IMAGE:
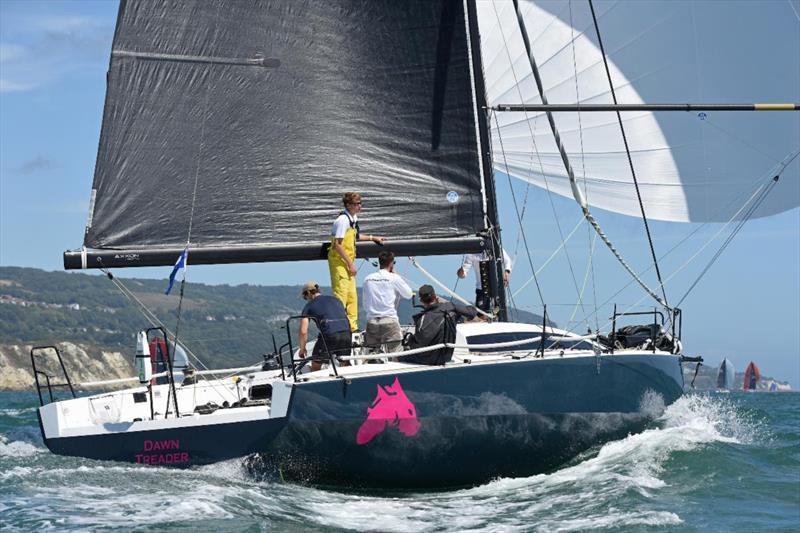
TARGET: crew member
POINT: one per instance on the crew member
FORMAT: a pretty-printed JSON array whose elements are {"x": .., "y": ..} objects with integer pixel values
[
  {"x": 435, "y": 325},
  {"x": 473, "y": 262},
  {"x": 342, "y": 255},
  {"x": 332, "y": 322},
  {"x": 382, "y": 292}
]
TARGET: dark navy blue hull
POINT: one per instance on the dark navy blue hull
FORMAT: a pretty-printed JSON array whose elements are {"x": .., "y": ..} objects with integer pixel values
[
  {"x": 173, "y": 447},
  {"x": 431, "y": 426},
  {"x": 475, "y": 422}
]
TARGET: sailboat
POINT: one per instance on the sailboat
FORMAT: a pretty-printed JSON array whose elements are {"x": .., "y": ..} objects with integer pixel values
[
  {"x": 230, "y": 131},
  {"x": 751, "y": 377},
  {"x": 725, "y": 375}
]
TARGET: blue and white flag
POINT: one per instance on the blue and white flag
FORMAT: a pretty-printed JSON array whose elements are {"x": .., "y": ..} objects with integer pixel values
[{"x": 179, "y": 264}]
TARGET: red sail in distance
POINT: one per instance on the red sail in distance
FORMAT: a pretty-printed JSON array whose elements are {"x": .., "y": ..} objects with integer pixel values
[{"x": 751, "y": 376}]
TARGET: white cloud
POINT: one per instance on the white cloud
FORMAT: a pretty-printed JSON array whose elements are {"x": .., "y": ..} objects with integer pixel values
[
  {"x": 40, "y": 51},
  {"x": 68, "y": 23},
  {"x": 10, "y": 52},
  {"x": 10, "y": 86}
]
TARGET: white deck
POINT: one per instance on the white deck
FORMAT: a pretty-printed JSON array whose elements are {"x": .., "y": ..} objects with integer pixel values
[{"x": 118, "y": 411}]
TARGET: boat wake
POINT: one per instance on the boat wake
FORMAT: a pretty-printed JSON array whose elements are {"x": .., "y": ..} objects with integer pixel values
[
  {"x": 16, "y": 448},
  {"x": 624, "y": 483},
  {"x": 616, "y": 485}
]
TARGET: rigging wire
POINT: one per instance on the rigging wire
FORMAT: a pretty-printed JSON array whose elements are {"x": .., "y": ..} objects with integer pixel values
[
  {"x": 535, "y": 151},
  {"x": 744, "y": 207},
  {"x": 455, "y": 285},
  {"x": 552, "y": 256},
  {"x": 577, "y": 193},
  {"x": 627, "y": 151},
  {"x": 756, "y": 200},
  {"x": 200, "y": 148},
  {"x": 152, "y": 318},
  {"x": 594, "y": 282},
  {"x": 730, "y": 237},
  {"x": 583, "y": 288},
  {"x": 796, "y": 14},
  {"x": 583, "y": 160},
  {"x": 516, "y": 209},
  {"x": 444, "y": 287},
  {"x": 758, "y": 150}
]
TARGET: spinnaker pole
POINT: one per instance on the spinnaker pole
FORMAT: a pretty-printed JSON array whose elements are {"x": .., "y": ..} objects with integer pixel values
[
  {"x": 576, "y": 192},
  {"x": 538, "y": 108}
]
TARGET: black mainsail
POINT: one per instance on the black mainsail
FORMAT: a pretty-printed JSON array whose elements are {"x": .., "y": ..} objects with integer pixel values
[{"x": 234, "y": 127}]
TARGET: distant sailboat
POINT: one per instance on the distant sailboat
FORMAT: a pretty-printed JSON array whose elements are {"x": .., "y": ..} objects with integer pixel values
[
  {"x": 725, "y": 375},
  {"x": 751, "y": 376}
]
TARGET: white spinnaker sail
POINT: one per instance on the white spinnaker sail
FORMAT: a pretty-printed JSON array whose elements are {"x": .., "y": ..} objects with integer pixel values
[{"x": 690, "y": 167}]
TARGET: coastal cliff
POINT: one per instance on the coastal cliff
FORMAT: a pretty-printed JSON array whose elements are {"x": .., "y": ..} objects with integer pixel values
[{"x": 83, "y": 363}]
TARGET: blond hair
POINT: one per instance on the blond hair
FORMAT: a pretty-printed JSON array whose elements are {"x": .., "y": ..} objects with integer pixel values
[{"x": 350, "y": 198}]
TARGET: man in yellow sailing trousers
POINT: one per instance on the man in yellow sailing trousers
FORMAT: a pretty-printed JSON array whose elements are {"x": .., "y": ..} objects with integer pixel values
[{"x": 342, "y": 255}]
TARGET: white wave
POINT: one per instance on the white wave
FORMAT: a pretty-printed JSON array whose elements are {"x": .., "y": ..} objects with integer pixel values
[
  {"x": 17, "y": 448},
  {"x": 626, "y": 469},
  {"x": 619, "y": 486},
  {"x": 17, "y": 412},
  {"x": 16, "y": 472},
  {"x": 715, "y": 417},
  {"x": 613, "y": 520},
  {"x": 121, "y": 496}
]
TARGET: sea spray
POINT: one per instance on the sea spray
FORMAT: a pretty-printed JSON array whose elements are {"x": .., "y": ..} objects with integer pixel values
[
  {"x": 682, "y": 472},
  {"x": 16, "y": 448}
]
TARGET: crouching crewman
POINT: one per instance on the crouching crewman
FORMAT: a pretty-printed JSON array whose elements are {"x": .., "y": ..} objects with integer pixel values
[{"x": 435, "y": 325}]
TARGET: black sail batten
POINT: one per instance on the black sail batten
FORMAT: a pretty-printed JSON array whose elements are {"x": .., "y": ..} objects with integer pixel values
[
  {"x": 373, "y": 96},
  {"x": 81, "y": 259}
]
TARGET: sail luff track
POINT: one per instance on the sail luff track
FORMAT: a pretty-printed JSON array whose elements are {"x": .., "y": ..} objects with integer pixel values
[{"x": 565, "y": 159}]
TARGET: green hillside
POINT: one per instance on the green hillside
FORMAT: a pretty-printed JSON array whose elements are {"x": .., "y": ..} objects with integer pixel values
[{"x": 223, "y": 325}]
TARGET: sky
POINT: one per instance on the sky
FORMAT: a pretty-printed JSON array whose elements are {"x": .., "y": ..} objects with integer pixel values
[{"x": 53, "y": 60}]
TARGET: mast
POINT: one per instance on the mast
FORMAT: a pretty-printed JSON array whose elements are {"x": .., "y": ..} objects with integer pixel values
[{"x": 497, "y": 293}]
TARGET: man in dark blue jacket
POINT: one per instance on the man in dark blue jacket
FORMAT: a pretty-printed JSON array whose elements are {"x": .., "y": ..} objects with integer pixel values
[{"x": 331, "y": 319}]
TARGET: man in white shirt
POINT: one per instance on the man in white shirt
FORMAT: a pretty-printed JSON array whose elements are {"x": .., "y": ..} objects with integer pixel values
[
  {"x": 473, "y": 262},
  {"x": 382, "y": 292}
]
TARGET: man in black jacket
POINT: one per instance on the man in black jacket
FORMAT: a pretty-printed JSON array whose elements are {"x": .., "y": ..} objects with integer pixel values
[{"x": 435, "y": 325}]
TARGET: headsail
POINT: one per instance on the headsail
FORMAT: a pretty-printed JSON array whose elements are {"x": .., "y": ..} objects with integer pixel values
[
  {"x": 238, "y": 125},
  {"x": 725, "y": 375},
  {"x": 690, "y": 166}
]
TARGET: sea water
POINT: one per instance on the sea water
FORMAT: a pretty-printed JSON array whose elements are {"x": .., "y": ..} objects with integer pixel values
[{"x": 709, "y": 462}]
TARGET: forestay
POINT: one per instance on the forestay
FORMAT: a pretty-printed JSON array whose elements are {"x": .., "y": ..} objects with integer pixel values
[
  {"x": 235, "y": 124},
  {"x": 690, "y": 166}
]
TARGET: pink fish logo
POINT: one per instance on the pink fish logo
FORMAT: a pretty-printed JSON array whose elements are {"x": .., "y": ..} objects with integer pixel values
[{"x": 390, "y": 408}]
